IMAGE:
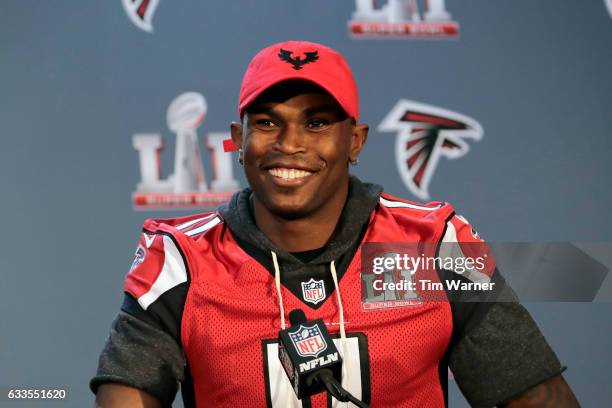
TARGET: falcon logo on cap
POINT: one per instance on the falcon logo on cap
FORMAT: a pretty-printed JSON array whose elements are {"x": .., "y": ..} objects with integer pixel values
[
  {"x": 424, "y": 134},
  {"x": 297, "y": 62}
]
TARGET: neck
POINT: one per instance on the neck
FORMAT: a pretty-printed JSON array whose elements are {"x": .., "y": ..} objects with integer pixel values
[{"x": 301, "y": 234}]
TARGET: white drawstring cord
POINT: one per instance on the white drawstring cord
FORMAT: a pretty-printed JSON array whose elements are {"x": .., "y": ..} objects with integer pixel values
[
  {"x": 289, "y": 391},
  {"x": 278, "y": 290},
  {"x": 345, "y": 361}
]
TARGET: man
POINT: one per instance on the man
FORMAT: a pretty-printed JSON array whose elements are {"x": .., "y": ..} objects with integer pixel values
[{"x": 207, "y": 294}]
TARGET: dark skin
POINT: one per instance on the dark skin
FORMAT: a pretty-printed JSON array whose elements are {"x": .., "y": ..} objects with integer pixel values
[
  {"x": 554, "y": 392},
  {"x": 298, "y": 127},
  {"x": 301, "y": 127}
]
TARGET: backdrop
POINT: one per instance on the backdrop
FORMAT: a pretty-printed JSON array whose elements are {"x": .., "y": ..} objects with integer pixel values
[{"x": 79, "y": 79}]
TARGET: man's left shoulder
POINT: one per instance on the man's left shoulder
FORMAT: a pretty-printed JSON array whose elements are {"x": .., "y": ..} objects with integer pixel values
[
  {"x": 401, "y": 207},
  {"x": 440, "y": 211}
]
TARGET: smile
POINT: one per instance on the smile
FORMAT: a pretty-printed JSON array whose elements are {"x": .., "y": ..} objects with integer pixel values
[
  {"x": 289, "y": 177},
  {"x": 289, "y": 174}
]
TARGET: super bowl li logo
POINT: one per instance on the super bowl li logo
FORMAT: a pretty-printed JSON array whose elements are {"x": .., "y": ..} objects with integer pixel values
[
  {"x": 402, "y": 18},
  {"x": 186, "y": 187}
]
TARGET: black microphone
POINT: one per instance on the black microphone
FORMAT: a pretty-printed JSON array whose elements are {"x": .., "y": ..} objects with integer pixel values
[{"x": 306, "y": 350}]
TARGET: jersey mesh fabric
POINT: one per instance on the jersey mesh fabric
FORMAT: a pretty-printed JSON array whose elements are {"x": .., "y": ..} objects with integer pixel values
[
  {"x": 232, "y": 307},
  {"x": 231, "y": 351}
]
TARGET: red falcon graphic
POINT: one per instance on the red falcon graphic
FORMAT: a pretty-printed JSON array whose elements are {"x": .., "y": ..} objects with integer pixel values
[
  {"x": 424, "y": 133},
  {"x": 141, "y": 12}
]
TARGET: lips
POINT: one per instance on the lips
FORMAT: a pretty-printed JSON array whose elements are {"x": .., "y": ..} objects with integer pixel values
[{"x": 289, "y": 173}]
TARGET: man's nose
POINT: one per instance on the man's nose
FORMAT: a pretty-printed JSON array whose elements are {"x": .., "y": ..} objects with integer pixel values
[{"x": 291, "y": 139}]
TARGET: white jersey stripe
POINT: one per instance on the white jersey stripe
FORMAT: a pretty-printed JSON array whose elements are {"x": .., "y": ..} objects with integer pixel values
[
  {"x": 190, "y": 223},
  {"x": 401, "y": 204},
  {"x": 204, "y": 227},
  {"x": 173, "y": 273}
]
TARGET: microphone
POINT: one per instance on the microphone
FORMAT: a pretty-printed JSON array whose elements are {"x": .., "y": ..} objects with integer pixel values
[
  {"x": 311, "y": 360},
  {"x": 305, "y": 349}
]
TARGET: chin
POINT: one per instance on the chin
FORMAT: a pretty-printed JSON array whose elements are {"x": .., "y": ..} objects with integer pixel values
[
  {"x": 288, "y": 209},
  {"x": 288, "y": 206}
]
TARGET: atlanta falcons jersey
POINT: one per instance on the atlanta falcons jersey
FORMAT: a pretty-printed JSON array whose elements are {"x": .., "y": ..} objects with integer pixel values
[
  {"x": 231, "y": 317},
  {"x": 226, "y": 310}
]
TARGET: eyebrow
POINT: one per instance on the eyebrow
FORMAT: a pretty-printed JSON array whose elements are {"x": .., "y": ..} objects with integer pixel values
[
  {"x": 260, "y": 108},
  {"x": 267, "y": 108},
  {"x": 327, "y": 108}
]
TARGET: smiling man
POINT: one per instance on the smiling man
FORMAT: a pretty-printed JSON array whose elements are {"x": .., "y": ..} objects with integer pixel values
[
  {"x": 297, "y": 143},
  {"x": 208, "y": 293}
]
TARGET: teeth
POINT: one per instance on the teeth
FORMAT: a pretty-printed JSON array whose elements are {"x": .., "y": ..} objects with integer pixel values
[{"x": 289, "y": 174}]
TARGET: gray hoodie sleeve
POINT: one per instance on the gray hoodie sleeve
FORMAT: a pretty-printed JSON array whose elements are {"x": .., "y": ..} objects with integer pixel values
[
  {"x": 141, "y": 355},
  {"x": 501, "y": 357}
]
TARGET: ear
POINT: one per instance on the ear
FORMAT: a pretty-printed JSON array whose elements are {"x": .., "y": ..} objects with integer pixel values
[
  {"x": 358, "y": 139},
  {"x": 236, "y": 132}
]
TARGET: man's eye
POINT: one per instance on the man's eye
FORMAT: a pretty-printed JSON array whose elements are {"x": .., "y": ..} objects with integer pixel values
[
  {"x": 265, "y": 123},
  {"x": 317, "y": 124}
]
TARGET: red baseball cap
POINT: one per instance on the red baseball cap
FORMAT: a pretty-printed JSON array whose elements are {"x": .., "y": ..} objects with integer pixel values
[{"x": 305, "y": 60}]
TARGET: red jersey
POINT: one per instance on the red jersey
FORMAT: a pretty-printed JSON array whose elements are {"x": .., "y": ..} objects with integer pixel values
[{"x": 394, "y": 356}]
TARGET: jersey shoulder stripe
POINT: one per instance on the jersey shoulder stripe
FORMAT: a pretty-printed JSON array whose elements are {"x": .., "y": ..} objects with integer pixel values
[
  {"x": 203, "y": 226},
  {"x": 189, "y": 226},
  {"x": 390, "y": 201},
  {"x": 194, "y": 222}
]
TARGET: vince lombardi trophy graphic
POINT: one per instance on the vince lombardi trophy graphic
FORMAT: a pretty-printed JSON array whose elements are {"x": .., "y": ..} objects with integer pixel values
[
  {"x": 185, "y": 114},
  {"x": 186, "y": 187}
]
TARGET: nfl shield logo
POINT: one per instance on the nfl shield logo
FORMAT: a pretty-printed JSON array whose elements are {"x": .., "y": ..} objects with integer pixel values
[
  {"x": 313, "y": 291},
  {"x": 308, "y": 341}
]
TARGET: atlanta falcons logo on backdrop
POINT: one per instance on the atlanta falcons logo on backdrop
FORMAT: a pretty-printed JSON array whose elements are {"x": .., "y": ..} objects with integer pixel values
[
  {"x": 424, "y": 133},
  {"x": 141, "y": 12}
]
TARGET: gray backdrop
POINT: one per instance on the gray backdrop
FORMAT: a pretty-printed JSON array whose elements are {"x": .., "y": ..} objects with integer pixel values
[{"x": 78, "y": 79}]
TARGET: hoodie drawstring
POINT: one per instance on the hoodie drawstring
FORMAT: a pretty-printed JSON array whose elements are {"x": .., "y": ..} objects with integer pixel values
[
  {"x": 346, "y": 366},
  {"x": 345, "y": 354},
  {"x": 289, "y": 391},
  {"x": 278, "y": 290}
]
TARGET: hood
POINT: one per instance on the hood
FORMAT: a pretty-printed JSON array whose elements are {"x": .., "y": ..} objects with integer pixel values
[{"x": 362, "y": 199}]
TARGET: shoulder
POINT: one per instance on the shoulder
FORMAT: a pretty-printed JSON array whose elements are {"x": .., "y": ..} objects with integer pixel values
[
  {"x": 429, "y": 218},
  {"x": 454, "y": 227},
  {"x": 162, "y": 258},
  {"x": 189, "y": 226},
  {"x": 403, "y": 207},
  {"x": 181, "y": 232}
]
